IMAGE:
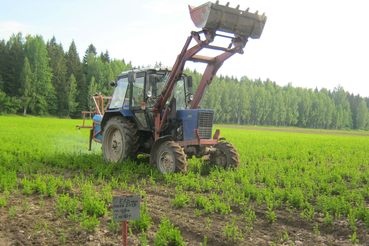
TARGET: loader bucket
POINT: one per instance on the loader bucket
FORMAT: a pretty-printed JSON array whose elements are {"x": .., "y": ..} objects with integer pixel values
[{"x": 232, "y": 20}]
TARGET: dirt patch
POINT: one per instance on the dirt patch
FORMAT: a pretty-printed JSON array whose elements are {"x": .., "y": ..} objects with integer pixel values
[
  {"x": 27, "y": 225},
  {"x": 292, "y": 130}
]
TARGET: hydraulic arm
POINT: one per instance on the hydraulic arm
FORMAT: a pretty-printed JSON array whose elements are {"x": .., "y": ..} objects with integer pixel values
[{"x": 210, "y": 17}]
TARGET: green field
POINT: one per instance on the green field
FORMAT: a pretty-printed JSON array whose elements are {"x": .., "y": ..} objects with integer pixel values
[
  {"x": 299, "y": 129},
  {"x": 290, "y": 188}
]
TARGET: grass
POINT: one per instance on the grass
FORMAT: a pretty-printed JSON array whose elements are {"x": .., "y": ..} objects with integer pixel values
[
  {"x": 293, "y": 128},
  {"x": 309, "y": 173}
]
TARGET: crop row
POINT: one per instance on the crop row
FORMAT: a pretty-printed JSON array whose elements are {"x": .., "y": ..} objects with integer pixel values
[{"x": 279, "y": 171}]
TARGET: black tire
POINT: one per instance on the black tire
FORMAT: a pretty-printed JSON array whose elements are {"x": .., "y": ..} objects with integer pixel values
[
  {"x": 120, "y": 140},
  {"x": 226, "y": 156},
  {"x": 171, "y": 158}
]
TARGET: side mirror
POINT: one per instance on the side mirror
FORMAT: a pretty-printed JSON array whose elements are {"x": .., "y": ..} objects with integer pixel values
[
  {"x": 189, "y": 81},
  {"x": 112, "y": 83},
  {"x": 131, "y": 77}
]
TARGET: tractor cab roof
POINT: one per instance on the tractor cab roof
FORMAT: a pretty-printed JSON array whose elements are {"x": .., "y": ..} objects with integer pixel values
[{"x": 145, "y": 69}]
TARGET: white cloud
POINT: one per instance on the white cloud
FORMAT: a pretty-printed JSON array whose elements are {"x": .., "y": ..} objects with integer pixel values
[{"x": 11, "y": 27}]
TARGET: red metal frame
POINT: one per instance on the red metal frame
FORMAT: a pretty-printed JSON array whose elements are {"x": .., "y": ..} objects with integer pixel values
[
  {"x": 199, "y": 141},
  {"x": 100, "y": 109},
  {"x": 214, "y": 63}
]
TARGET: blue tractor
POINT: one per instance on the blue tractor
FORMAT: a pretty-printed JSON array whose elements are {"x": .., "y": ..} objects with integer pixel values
[{"x": 153, "y": 110}]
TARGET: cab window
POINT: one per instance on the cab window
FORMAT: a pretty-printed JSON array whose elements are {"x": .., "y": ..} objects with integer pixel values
[
  {"x": 179, "y": 94},
  {"x": 119, "y": 96},
  {"x": 138, "y": 92}
]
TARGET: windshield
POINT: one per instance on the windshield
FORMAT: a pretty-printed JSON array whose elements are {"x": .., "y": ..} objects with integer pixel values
[
  {"x": 119, "y": 98},
  {"x": 157, "y": 83}
]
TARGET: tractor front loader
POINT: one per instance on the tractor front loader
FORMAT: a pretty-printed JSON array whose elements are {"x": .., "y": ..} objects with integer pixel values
[{"x": 153, "y": 111}]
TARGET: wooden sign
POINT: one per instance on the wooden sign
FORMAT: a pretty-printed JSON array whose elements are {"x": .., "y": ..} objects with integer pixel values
[{"x": 126, "y": 208}]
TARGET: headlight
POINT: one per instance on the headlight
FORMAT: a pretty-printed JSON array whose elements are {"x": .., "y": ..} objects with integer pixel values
[
  {"x": 148, "y": 93},
  {"x": 191, "y": 97}
]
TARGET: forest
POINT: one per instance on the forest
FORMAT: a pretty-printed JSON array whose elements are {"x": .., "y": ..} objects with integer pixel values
[{"x": 40, "y": 78}]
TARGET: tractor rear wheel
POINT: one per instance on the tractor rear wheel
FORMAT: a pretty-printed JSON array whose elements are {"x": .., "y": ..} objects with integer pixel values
[
  {"x": 226, "y": 156},
  {"x": 120, "y": 140},
  {"x": 171, "y": 158}
]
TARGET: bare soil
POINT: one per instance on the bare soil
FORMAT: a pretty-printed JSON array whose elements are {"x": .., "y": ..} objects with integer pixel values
[{"x": 26, "y": 227}]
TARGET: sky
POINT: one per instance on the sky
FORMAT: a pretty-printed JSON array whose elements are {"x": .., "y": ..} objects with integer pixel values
[{"x": 310, "y": 44}]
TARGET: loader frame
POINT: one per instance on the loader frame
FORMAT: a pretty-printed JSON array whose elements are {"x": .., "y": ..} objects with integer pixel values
[{"x": 213, "y": 64}]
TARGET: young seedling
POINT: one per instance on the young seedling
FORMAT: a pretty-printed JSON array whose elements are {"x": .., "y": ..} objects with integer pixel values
[
  {"x": 143, "y": 239},
  {"x": 168, "y": 234},
  {"x": 271, "y": 215},
  {"x": 42, "y": 203},
  {"x": 12, "y": 211},
  {"x": 328, "y": 219},
  {"x": 316, "y": 230},
  {"x": 68, "y": 185},
  {"x": 205, "y": 242},
  {"x": 144, "y": 223},
  {"x": 38, "y": 225},
  {"x": 181, "y": 200},
  {"x": 45, "y": 228},
  {"x": 353, "y": 238},
  {"x": 25, "y": 205},
  {"x": 2, "y": 202},
  {"x": 62, "y": 238},
  {"x": 208, "y": 223},
  {"x": 231, "y": 231},
  {"x": 198, "y": 212},
  {"x": 91, "y": 223}
]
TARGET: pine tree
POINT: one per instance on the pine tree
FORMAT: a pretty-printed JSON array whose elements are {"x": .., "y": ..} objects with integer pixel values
[
  {"x": 72, "y": 94},
  {"x": 12, "y": 66},
  {"x": 105, "y": 57},
  {"x": 90, "y": 50},
  {"x": 26, "y": 83},
  {"x": 3, "y": 56},
  {"x": 1, "y": 83},
  {"x": 74, "y": 67},
  {"x": 58, "y": 64}
]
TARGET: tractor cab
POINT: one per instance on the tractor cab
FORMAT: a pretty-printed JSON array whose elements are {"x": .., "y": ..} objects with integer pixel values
[
  {"x": 145, "y": 88},
  {"x": 137, "y": 92}
]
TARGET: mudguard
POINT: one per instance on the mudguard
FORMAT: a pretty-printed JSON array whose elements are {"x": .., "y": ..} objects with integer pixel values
[{"x": 111, "y": 113}]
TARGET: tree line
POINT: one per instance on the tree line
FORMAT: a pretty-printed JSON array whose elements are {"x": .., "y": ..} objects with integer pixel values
[
  {"x": 257, "y": 102},
  {"x": 40, "y": 78}
]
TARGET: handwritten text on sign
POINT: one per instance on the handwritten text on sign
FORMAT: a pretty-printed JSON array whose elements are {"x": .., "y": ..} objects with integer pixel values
[{"x": 126, "y": 208}]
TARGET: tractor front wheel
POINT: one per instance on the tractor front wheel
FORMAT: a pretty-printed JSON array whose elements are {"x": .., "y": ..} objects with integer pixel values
[
  {"x": 120, "y": 140},
  {"x": 226, "y": 156},
  {"x": 171, "y": 158}
]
